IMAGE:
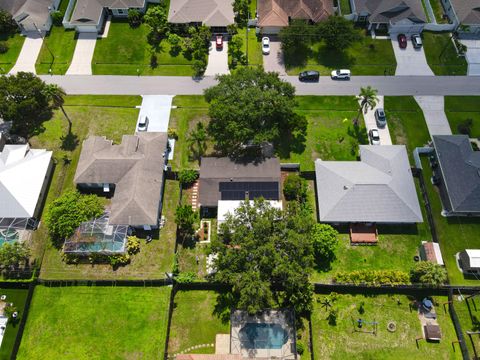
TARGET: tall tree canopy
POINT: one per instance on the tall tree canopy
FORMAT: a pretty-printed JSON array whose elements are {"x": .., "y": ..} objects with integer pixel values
[
  {"x": 266, "y": 255},
  {"x": 296, "y": 39},
  {"x": 24, "y": 101},
  {"x": 337, "y": 32},
  {"x": 252, "y": 106}
]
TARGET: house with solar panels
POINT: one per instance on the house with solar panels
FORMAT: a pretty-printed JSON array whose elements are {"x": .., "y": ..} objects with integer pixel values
[{"x": 224, "y": 183}]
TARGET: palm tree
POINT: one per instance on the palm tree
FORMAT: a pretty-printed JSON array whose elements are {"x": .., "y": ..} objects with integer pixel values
[
  {"x": 56, "y": 95},
  {"x": 197, "y": 141},
  {"x": 368, "y": 99}
]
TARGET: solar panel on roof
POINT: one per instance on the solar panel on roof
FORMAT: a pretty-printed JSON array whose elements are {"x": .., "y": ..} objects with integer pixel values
[{"x": 238, "y": 190}]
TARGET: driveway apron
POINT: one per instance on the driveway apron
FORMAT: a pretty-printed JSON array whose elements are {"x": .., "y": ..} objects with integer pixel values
[
  {"x": 83, "y": 55},
  {"x": 29, "y": 53},
  {"x": 157, "y": 109},
  {"x": 274, "y": 60},
  {"x": 217, "y": 60},
  {"x": 410, "y": 61},
  {"x": 371, "y": 123},
  {"x": 433, "y": 108}
]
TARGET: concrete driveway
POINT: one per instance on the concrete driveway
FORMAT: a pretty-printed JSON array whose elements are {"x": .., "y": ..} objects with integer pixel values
[
  {"x": 274, "y": 60},
  {"x": 83, "y": 55},
  {"x": 29, "y": 53},
  {"x": 371, "y": 123},
  {"x": 157, "y": 109},
  {"x": 217, "y": 60},
  {"x": 472, "y": 56},
  {"x": 433, "y": 108},
  {"x": 410, "y": 61}
]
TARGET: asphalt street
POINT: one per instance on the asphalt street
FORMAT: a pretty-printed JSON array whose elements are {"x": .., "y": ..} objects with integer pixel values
[{"x": 178, "y": 85}]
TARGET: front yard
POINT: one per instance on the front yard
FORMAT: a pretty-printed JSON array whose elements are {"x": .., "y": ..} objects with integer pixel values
[
  {"x": 343, "y": 339},
  {"x": 126, "y": 52},
  {"x": 460, "y": 110},
  {"x": 96, "y": 323},
  {"x": 61, "y": 43},
  {"x": 365, "y": 57},
  {"x": 255, "y": 57},
  {"x": 441, "y": 54},
  {"x": 8, "y": 59}
]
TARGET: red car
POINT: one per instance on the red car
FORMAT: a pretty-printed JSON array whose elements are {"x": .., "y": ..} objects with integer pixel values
[
  {"x": 219, "y": 42},
  {"x": 402, "y": 41}
]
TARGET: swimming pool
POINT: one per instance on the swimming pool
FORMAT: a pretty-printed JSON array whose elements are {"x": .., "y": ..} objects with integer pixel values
[
  {"x": 8, "y": 235},
  {"x": 263, "y": 336}
]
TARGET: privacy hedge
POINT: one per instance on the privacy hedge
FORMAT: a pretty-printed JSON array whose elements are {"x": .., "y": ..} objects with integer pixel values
[{"x": 373, "y": 277}]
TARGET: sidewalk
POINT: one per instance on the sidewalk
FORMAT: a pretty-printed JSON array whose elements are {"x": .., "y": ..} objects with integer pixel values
[
  {"x": 83, "y": 55},
  {"x": 29, "y": 54},
  {"x": 433, "y": 108}
]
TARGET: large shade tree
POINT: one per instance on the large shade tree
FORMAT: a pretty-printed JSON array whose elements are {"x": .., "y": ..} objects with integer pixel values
[
  {"x": 266, "y": 255},
  {"x": 251, "y": 106},
  {"x": 337, "y": 32}
]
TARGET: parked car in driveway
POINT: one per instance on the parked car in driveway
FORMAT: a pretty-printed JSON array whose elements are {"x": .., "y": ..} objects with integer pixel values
[
  {"x": 143, "y": 124},
  {"x": 374, "y": 136},
  {"x": 265, "y": 45},
  {"x": 417, "y": 41},
  {"x": 341, "y": 74},
  {"x": 309, "y": 75},
  {"x": 219, "y": 42},
  {"x": 380, "y": 118},
  {"x": 402, "y": 41}
]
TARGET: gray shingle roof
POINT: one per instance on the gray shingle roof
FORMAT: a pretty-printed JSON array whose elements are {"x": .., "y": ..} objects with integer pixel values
[
  {"x": 391, "y": 11},
  {"x": 136, "y": 168},
  {"x": 213, "y": 171},
  {"x": 89, "y": 12},
  {"x": 460, "y": 167},
  {"x": 31, "y": 11},
  {"x": 468, "y": 11},
  {"x": 379, "y": 188},
  {"x": 208, "y": 12}
]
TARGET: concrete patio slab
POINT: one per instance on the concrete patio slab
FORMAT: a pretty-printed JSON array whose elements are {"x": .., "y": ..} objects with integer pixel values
[
  {"x": 29, "y": 53},
  {"x": 157, "y": 109},
  {"x": 371, "y": 123},
  {"x": 83, "y": 55},
  {"x": 217, "y": 60},
  {"x": 433, "y": 108}
]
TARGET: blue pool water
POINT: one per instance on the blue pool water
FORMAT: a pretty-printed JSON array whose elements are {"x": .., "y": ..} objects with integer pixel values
[
  {"x": 8, "y": 235},
  {"x": 263, "y": 336}
]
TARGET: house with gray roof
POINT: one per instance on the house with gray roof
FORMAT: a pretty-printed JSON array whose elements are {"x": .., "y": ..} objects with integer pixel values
[
  {"x": 398, "y": 16},
  {"x": 458, "y": 175},
  {"x": 133, "y": 171},
  {"x": 466, "y": 13},
  {"x": 377, "y": 189},
  {"x": 89, "y": 15},
  {"x": 31, "y": 15},
  {"x": 217, "y": 14},
  {"x": 225, "y": 179}
]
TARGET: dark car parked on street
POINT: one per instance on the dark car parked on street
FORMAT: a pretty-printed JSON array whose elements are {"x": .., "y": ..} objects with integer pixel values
[{"x": 309, "y": 76}]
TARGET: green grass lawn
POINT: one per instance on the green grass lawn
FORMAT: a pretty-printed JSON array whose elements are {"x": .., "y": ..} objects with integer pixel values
[
  {"x": 18, "y": 297},
  {"x": 438, "y": 11},
  {"x": 365, "y": 57},
  {"x": 14, "y": 43},
  {"x": 125, "y": 50},
  {"x": 345, "y": 7},
  {"x": 455, "y": 233},
  {"x": 461, "y": 108},
  {"x": 468, "y": 312},
  {"x": 255, "y": 57},
  {"x": 96, "y": 323},
  {"x": 61, "y": 43},
  {"x": 194, "y": 322},
  {"x": 252, "y": 5},
  {"x": 441, "y": 55},
  {"x": 341, "y": 341}
]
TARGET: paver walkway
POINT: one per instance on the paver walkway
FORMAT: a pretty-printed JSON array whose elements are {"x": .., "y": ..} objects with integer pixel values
[
  {"x": 157, "y": 108},
  {"x": 217, "y": 60},
  {"x": 29, "y": 53},
  {"x": 433, "y": 108},
  {"x": 274, "y": 60},
  {"x": 472, "y": 56},
  {"x": 83, "y": 55},
  {"x": 371, "y": 123},
  {"x": 410, "y": 61}
]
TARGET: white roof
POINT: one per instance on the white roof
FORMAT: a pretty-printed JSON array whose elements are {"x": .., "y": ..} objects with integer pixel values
[
  {"x": 226, "y": 207},
  {"x": 474, "y": 256},
  {"x": 22, "y": 174},
  {"x": 438, "y": 253}
]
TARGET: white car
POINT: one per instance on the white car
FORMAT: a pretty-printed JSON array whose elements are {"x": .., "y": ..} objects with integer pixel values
[
  {"x": 341, "y": 74},
  {"x": 374, "y": 136},
  {"x": 143, "y": 124},
  {"x": 265, "y": 45}
]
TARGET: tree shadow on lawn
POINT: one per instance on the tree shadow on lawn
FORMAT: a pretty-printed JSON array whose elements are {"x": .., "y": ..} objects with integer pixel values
[
  {"x": 332, "y": 58},
  {"x": 404, "y": 229},
  {"x": 292, "y": 143}
]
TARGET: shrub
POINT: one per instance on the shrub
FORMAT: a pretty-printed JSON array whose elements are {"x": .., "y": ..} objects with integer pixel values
[
  {"x": 172, "y": 134},
  {"x": 7, "y": 24},
  {"x": 332, "y": 317},
  {"x": 134, "y": 18},
  {"x": 465, "y": 127},
  {"x": 300, "y": 348},
  {"x": 119, "y": 260},
  {"x": 3, "y": 47},
  {"x": 427, "y": 272},
  {"x": 153, "y": 61},
  {"x": 176, "y": 43},
  {"x": 186, "y": 277},
  {"x": 325, "y": 243},
  {"x": 57, "y": 18},
  {"x": 372, "y": 277},
  {"x": 199, "y": 66},
  {"x": 295, "y": 188},
  {"x": 70, "y": 258},
  {"x": 133, "y": 245},
  {"x": 187, "y": 176}
]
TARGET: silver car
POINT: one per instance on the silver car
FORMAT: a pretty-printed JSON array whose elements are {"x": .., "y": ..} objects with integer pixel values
[
  {"x": 380, "y": 118},
  {"x": 374, "y": 136},
  {"x": 143, "y": 124}
]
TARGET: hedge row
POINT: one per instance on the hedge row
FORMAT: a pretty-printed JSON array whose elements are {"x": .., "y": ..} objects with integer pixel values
[{"x": 373, "y": 277}]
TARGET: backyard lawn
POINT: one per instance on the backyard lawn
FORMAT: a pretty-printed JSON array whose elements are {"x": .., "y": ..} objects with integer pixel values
[
  {"x": 438, "y": 11},
  {"x": 14, "y": 43},
  {"x": 18, "y": 297},
  {"x": 195, "y": 322},
  {"x": 441, "y": 54},
  {"x": 96, "y": 323},
  {"x": 455, "y": 233},
  {"x": 468, "y": 311},
  {"x": 461, "y": 108},
  {"x": 365, "y": 57},
  {"x": 344, "y": 340},
  {"x": 61, "y": 43},
  {"x": 126, "y": 52}
]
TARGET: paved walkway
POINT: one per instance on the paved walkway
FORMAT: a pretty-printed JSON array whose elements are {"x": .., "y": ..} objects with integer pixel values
[
  {"x": 83, "y": 55},
  {"x": 217, "y": 60},
  {"x": 274, "y": 60},
  {"x": 433, "y": 108},
  {"x": 371, "y": 123},
  {"x": 157, "y": 109},
  {"x": 472, "y": 56},
  {"x": 410, "y": 61},
  {"x": 29, "y": 54}
]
